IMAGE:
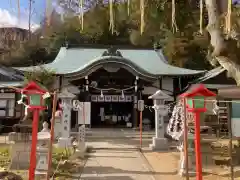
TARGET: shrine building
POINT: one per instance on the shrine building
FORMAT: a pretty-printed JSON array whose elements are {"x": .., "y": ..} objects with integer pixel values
[{"x": 110, "y": 81}]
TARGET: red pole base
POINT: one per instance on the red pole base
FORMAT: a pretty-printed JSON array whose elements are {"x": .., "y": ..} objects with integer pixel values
[
  {"x": 33, "y": 158},
  {"x": 198, "y": 154}
]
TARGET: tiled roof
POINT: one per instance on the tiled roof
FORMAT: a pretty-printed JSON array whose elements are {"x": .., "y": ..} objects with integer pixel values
[{"x": 74, "y": 60}]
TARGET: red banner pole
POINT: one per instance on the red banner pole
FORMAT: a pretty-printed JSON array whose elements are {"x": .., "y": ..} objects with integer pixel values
[
  {"x": 140, "y": 127},
  {"x": 197, "y": 147},
  {"x": 33, "y": 158}
]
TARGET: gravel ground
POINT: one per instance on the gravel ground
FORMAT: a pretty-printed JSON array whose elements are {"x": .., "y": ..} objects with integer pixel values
[{"x": 165, "y": 165}]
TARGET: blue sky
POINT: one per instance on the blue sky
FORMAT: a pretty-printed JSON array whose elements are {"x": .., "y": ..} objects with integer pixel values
[
  {"x": 12, "y": 6},
  {"x": 9, "y": 12}
]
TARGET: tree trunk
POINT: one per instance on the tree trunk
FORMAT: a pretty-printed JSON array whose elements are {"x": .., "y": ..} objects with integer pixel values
[{"x": 220, "y": 52}]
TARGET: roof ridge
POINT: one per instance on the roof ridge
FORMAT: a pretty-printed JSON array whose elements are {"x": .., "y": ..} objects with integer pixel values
[{"x": 102, "y": 46}]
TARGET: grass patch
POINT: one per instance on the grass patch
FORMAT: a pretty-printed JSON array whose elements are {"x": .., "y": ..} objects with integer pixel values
[
  {"x": 4, "y": 157},
  {"x": 64, "y": 168}
]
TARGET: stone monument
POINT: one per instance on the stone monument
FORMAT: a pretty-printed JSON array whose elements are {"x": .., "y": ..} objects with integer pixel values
[
  {"x": 66, "y": 97},
  {"x": 58, "y": 125},
  {"x": 79, "y": 143},
  {"x": 20, "y": 151},
  {"x": 161, "y": 110}
]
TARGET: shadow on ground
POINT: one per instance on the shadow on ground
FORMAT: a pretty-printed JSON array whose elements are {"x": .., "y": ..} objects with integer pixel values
[
  {"x": 108, "y": 178},
  {"x": 129, "y": 144},
  {"x": 111, "y": 170},
  {"x": 109, "y": 156},
  {"x": 124, "y": 142}
]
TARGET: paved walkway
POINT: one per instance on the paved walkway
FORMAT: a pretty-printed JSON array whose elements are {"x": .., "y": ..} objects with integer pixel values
[{"x": 116, "y": 162}]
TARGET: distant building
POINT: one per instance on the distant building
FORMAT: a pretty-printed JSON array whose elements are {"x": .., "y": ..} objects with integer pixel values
[{"x": 10, "y": 111}]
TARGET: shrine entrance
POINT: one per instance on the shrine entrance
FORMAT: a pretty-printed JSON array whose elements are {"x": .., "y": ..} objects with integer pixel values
[
  {"x": 112, "y": 91},
  {"x": 111, "y": 114}
]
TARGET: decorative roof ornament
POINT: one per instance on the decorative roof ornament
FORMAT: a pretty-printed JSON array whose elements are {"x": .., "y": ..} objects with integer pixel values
[{"x": 112, "y": 51}]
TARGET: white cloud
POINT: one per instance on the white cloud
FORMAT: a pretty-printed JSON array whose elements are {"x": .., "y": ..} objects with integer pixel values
[{"x": 7, "y": 19}]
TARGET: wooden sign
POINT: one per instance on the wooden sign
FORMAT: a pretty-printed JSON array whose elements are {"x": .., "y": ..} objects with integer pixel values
[
  {"x": 114, "y": 98},
  {"x": 108, "y": 98},
  {"x": 94, "y": 98}
]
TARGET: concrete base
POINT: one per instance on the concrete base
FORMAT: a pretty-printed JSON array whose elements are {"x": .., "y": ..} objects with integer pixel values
[
  {"x": 191, "y": 173},
  {"x": 40, "y": 174},
  {"x": 159, "y": 144},
  {"x": 64, "y": 142}
]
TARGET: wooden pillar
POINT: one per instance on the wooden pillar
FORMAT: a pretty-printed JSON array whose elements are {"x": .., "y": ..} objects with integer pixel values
[
  {"x": 135, "y": 99},
  {"x": 175, "y": 88},
  {"x": 60, "y": 83},
  {"x": 160, "y": 83}
]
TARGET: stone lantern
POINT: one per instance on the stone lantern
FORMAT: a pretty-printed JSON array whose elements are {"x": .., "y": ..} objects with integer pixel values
[
  {"x": 66, "y": 97},
  {"x": 42, "y": 151},
  {"x": 161, "y": 110}
]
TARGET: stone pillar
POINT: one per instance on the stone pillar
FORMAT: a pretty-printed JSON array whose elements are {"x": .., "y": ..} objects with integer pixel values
[
  {"x": 64, "y": 140},
  {"x": 160, "y": 112},
  {"x": 58, "y": 125},
  {"x": 66, "y": 119},
  {"x": 81, "y": 139},
  {"x": 79, "y": 143},
  {"x": 159, "y": 142}
]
